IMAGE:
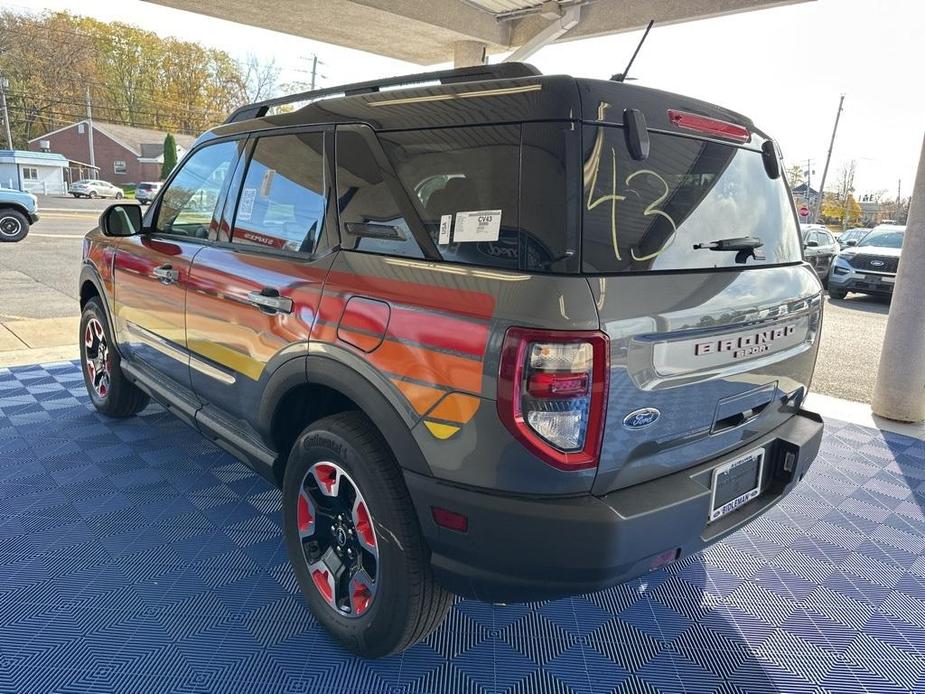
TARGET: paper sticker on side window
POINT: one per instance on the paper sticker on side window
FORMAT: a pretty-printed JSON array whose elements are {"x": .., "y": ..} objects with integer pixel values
[
  {"x": 479, "y": 225},
  {"x": 446, "y": 222}
]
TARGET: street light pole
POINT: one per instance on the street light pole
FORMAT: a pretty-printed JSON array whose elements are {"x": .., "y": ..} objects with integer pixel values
[
  {"x": 828, "y": 158},
  {"x": 899, "y": 392}
]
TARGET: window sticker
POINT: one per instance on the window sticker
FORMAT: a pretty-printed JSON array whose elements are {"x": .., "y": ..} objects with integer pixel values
[
  {"x": 246, "y": 206},
  {"x": 446, "y": 225},
  {"x": 478, "y": 225},
  {"x": 267, "y": 183}
]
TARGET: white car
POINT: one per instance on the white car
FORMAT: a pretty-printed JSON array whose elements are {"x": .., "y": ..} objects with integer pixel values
[
  {"x": 146, "y": 191},
  {"x": 93, "y": 188}
]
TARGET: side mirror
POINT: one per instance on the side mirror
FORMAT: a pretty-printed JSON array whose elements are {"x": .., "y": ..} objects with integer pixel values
[
  {"x": 812, "y": 244},
  {"x": 852, "y": 242},
  {"x": 121, "y": 220}
]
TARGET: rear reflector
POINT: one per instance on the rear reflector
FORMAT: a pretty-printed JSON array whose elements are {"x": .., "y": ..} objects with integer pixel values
[
  {"x": 450, "y": 519},
  {"x": 660, "y": 560},
  {"x": 708, "y": 126}
]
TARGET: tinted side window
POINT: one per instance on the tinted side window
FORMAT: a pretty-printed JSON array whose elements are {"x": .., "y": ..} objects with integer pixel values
[
  {"x": 282, "y": 199},
  {"x": 370, "y": 217},
  {"x": 187, "y": 206},
  {"x": 493, "y": 195}
]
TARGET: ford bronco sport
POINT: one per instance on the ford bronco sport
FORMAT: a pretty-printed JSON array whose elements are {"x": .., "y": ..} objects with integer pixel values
[{"x": 493, "y": 333}]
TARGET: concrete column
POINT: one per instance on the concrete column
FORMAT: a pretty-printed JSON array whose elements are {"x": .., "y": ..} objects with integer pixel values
[
  {"x": 900, "y": 389},
  {"x": 468, "y": 53}
]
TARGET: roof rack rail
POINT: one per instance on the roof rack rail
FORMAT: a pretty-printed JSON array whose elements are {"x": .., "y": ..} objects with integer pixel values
[{"x": 466, "y": 74}]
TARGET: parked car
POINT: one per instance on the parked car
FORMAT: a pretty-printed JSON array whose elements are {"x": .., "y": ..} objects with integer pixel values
[
  {"x": 146, "y": 192},
  {"x": 819, "y": 247},
  {"x": 18, "y": 211},
  {"x": 93, "y": 188},
  {"x": 851, "y": 237},
  {"x": 870, "y": 266},
  {"x": 505, "y": 345}
]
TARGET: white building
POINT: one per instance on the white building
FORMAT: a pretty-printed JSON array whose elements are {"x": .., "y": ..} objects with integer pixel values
[{"x": 33, "y": 172}]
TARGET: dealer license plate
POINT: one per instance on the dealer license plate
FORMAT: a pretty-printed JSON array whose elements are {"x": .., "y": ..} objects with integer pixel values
[{"x": 736, "y": 483}]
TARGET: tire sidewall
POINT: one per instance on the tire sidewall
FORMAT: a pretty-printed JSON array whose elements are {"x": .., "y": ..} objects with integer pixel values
[{"x": 383, "y": 623}]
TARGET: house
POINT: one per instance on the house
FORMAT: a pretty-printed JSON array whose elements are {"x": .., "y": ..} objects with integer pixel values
[
  {"x": 804, "y": 194},
  {"x": 123, "y": 153},
  {"x": 33, "y": 172}
]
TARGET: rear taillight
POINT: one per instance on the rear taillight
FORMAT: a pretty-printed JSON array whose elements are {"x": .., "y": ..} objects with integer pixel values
[
  {"x": 708, "y": 126},
  {"x": 552, "y": 393}
]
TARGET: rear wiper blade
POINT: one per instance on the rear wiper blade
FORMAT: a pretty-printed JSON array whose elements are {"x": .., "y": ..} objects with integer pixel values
[{"x": 743, "y": 243}]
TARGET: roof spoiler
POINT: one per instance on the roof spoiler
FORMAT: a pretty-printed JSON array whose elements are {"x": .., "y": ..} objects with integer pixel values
[{"x": 466, "y": 74}]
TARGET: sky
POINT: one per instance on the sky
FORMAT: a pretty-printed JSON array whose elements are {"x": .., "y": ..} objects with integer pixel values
[{"x": 783, "y": 67}]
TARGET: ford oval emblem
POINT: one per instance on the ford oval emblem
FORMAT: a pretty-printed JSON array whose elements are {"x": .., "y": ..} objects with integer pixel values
[{"x": 640, "y": 419}]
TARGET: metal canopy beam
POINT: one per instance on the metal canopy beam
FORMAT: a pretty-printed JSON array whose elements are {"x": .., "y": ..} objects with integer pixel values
[{"x": 431, "y": 30}]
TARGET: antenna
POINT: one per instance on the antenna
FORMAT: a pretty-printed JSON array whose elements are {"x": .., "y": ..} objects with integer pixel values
[{"x": 621, "y": 76}]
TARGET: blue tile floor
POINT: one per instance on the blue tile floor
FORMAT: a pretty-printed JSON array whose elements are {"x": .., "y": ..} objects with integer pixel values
[{"x": 136, "y": 557}]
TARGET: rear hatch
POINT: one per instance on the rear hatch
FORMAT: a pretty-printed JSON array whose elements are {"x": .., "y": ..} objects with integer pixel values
[{"x": 710, "y": 349}]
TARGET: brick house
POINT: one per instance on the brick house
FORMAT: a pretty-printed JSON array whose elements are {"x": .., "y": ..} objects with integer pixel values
[{"x": 124, "y": 154}]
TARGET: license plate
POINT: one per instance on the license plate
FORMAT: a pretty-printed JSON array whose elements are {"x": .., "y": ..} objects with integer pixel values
[{"x": 736, "y": 483}]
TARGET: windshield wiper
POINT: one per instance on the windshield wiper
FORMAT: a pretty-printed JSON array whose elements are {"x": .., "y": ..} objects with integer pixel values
[
  {"x": 744, "y": 246},
  {"x": 744, "y": 243}
]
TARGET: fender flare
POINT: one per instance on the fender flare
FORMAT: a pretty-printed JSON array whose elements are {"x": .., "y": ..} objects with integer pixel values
[{"x": 336, "y": 375}]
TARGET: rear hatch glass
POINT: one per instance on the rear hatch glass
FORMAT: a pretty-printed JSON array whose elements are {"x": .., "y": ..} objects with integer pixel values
[{"x": 649, "y": 215}]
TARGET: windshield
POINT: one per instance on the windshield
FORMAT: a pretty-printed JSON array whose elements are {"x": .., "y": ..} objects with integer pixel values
[
  {"x": 883, "y": 239},
  {"x": 649, "y": 215}
]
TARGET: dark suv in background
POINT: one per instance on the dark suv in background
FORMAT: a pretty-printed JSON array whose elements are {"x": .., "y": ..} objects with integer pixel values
[{"x": 498, "y": 334}]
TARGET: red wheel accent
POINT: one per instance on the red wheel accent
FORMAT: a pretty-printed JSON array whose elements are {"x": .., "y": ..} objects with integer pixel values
[
  {"x": 88, "y": 336},
  {"x": 360, "y": 599},
  {"x": 322, "y": 579},
  {"x": 305, "y": 517},
  {"x": 364, "y": 525},
  {"x": 327, "y": 478}
]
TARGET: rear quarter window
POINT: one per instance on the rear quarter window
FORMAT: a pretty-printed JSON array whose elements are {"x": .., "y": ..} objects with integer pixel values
[{"x": 649, "y": 215}]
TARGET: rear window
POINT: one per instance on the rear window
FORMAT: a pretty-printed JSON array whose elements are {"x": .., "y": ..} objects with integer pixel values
[{"x": 649, "y": 215}]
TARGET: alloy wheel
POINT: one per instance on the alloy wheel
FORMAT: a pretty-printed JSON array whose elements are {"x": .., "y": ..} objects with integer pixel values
[
  {"x": 97, "y": 359},
  {"x": 338, "y": 539},
  {"x": 10, "y": 226}
]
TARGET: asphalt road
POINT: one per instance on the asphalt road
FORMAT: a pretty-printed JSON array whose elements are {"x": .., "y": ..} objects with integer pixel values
[
  {"x": 38, "y": 276},
  {"x": 38, "y": 279}
]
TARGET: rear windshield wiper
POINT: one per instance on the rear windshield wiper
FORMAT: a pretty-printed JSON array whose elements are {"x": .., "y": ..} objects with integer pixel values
[
  {"x": 744, "y": 246},
  {"x": 744, "y": 243}
]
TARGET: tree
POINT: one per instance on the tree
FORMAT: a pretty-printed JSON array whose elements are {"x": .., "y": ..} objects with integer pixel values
[
  {"x": 795, "y": 175},
  {"x": 170, "y": 156},
  {"x": 258, "y": 80}
]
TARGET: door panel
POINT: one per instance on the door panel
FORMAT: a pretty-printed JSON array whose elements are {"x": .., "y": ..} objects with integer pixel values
[
  {"x": 233, "y": 340},
  {"x": 149, "y": 309}
]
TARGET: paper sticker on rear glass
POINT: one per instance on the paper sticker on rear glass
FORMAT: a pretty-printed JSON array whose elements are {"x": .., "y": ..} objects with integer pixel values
[{"x": 480, "y": 225}]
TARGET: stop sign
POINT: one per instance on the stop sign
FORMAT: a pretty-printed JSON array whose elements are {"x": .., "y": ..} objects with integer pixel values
[{"x": 804, "y": 211}]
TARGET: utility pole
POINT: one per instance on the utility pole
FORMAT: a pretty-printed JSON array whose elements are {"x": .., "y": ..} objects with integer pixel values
[
  {"x": 6, "y": 113},
  {"x": 828, "y": 158},
  {"x": 90, "y": 131}
]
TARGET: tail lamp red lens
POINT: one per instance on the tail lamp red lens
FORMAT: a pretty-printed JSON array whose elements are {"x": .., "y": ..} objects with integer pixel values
[
  {"x": 708, "y": 126},
  {"x": 552, "y": 393}
]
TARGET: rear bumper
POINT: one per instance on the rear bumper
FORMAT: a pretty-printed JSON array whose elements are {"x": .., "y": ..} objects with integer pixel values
[{"x": 520, "y": 549}]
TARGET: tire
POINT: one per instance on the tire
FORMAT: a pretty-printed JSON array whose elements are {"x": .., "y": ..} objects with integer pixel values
[
  {"x": 110, "y": 391},
  {"x": 119, "y": 196},
  {"x": 14, "y": 226},
  {"x": 406, "y": 604},
  {"x": 93, "y": 195},
  {"x": 76, "y": 196},
  {"x": 837, "y": 293}
]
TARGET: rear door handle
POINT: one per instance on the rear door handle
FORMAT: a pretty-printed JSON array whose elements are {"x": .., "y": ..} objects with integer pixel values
[
  {"x": 269, "y": 301},
  {"x": 166, "y": 274}
]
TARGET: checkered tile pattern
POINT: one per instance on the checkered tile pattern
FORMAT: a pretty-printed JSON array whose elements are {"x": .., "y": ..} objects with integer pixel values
[{"x": 136, "y": 557}]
